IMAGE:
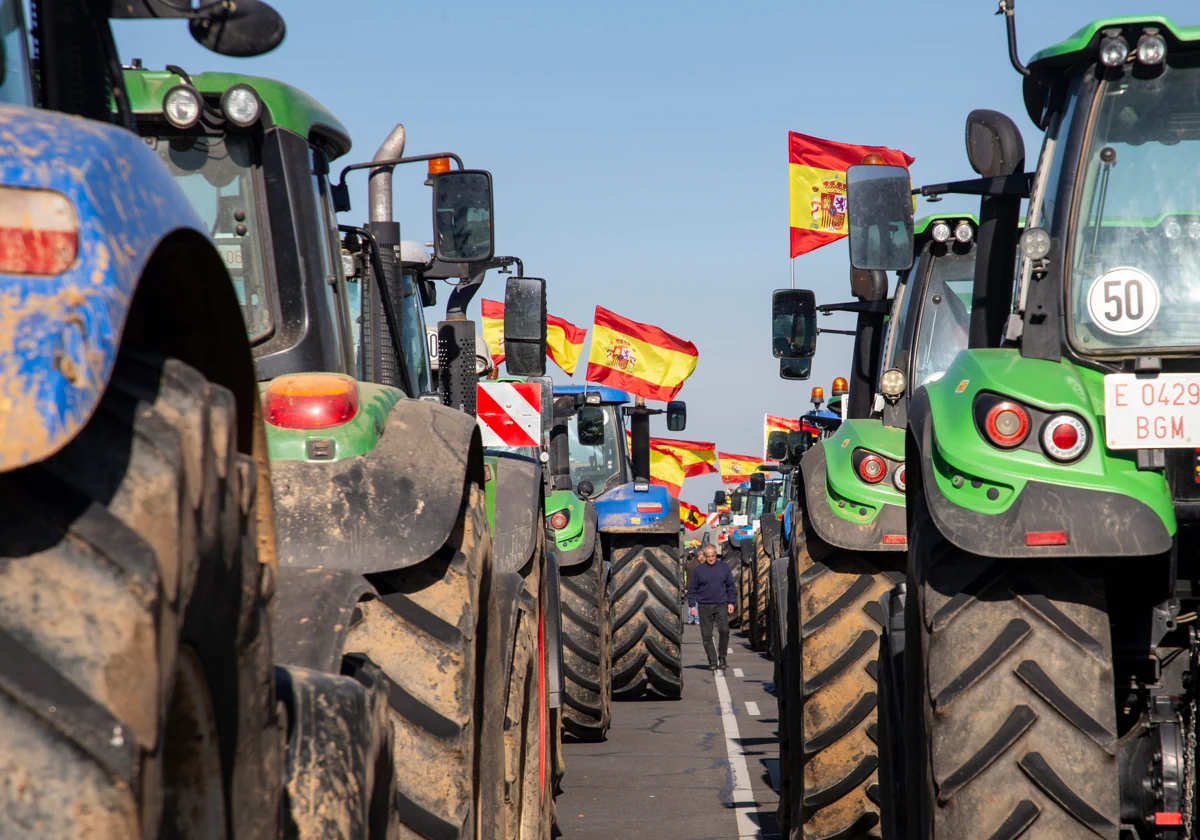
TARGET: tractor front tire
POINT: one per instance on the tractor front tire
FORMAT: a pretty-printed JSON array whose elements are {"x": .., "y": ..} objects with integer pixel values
[
  {"x": 647, "y": 621},
  {"x": 587, "y": 650},
  {"x": 760, "y": 638}
]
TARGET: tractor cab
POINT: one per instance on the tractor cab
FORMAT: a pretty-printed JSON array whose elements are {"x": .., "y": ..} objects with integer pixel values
[{"x": 599, "y": 459}]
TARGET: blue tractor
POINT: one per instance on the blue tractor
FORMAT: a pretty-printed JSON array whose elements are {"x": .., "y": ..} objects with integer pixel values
[
  {"x": 137, "y": 545},
  {"x": 638, "y": 526}
]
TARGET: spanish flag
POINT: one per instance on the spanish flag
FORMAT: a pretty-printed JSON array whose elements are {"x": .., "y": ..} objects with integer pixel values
[
  {"x": 698, "y": 457},
  {"x": 691, "y": 517},
  {"x": 737, "y": 468},
  {"x": 493, "y": 328},
  {"x": 817, "y": 187},
  {"x": 639, "y": 358},
  {"x": 666, "y": 470},
  {"x": 564, "y": 343}
]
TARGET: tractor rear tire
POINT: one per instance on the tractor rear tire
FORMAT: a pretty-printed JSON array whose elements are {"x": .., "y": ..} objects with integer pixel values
[
  {"x": 647, "y": 620},
  {"x": 760, "y": 639},
  {"x": 136, "y": 687},
  {"x": 745, "y": 607},
  {"x": 587, "y": 650},
  {"x": 433, "y": 630},
  {"x": 779, "y": 654},
  {"x": 1013, "y": 730}
]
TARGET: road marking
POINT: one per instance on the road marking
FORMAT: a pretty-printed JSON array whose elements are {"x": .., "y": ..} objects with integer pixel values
[
  {"x": 752, "y": 708},
  {"x": 738, "y": 672},
  {"x": 742, "y": 794}
]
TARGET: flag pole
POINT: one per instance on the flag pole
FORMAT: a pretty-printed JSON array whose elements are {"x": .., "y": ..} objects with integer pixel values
[{"x": 792, "y": 264}]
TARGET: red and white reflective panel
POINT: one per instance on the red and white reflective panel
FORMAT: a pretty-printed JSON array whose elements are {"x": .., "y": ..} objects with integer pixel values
[
  {"x": 1156, "y": 411},
  {"x": 39, "y": 232},
  {"x": 712, "y": 519},
  {"x": 509, "y": 413}
]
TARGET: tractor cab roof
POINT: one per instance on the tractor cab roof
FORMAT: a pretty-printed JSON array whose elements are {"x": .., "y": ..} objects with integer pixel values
[
  {"x": 608, "y": 396},
  {"x": 288, "y": 107}
]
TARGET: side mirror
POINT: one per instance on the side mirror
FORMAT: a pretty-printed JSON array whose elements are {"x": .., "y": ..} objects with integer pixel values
[
  {"x": 462, "y": 216},
  {"x": 428, "y": 292},
  {"x": 720, "y": 499},
  {"x": 797, "y": 444},
  {"x": 737, "y": 501},
  {"x": 589, "y": 427},
  {"x": 879, "y": 204},
  {"x": 868, "y": 285},
  {"x": 795, "y": 368},
  {"x": 725, "y": 519},
  {"x": 994, "y": 144},
  {"x": 525, "y": 326},
  {"x": 712, "y": 507},
  {"x": 240, "y": 30},
  {"x": 676, "y": 415},
  {"x": 758, "y": 482},
  {"x": 585, "y": 489},
  {"x": 793, "y": 324},
  {"x": 777, "y": 445}
]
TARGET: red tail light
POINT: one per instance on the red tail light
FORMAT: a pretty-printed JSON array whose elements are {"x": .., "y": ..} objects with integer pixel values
[
  {"x": 39, "y": 232},
  {"x": 898, "y": 478},
  {"x": 895, "y": 539},
  {"x": 649, "y": 507},
  {"x": 872, "y": 469},
  {"x": 1064, "y": 437},
  {"x": 1006, "y": 424},
  {"x": 559, "y": 520},
  {"x": 311, "y": 401}
]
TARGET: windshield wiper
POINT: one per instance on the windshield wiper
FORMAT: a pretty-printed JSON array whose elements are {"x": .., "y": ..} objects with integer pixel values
[{"x": 1108, "y": 158}]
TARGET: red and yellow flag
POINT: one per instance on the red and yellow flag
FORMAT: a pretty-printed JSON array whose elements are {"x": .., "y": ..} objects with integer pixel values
[
  {"x": 778, "y": 424},
  {"x": 737, "y": 468},
  {"x": 697, "y": 456},
  {"x": 817, "y": 187},
  {"x": 493, "y": 328},
  {"x": 639, "y": 358},
  {"x": 691, "y": 517},
  {"x": 666, "y": 470},
  {"x": 564, "y": 343}
]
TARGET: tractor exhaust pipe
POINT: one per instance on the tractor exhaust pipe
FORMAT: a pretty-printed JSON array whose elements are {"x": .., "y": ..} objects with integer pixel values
[
  {"x": 383, "y": 365},
  {"x": 379, "y": 183}
]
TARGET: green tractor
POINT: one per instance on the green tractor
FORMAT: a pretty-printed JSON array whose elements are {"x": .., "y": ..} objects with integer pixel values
[
  {"x": 1041, "y": 657},
  {"x": 387, "y": 622},
  {"x": 848, "y": 526}
]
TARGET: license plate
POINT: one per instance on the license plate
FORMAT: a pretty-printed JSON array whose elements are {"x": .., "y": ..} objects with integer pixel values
[
  {"x": 231, "y": 253},
  {"x": 1158, "y": 411}
]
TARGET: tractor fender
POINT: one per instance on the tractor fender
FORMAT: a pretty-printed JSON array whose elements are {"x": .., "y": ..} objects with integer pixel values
[
  {"x": 582, "y": 552},
  {"x": 771, "y": 530},
  {"x": 746, "y": 549},
  {"x": 617, "y": 511},
  {"x": 518, "y": 505},
  {"x": 787, "y": 522},
  {"x": 313, "y": 612},
  {"x": 512, "y": 597},
  {"x": 62, "y": 333},
  {"x": 839, "y": 532},
  {"x": 386, "y": 509},
  {"x": 552, "y": 620}
]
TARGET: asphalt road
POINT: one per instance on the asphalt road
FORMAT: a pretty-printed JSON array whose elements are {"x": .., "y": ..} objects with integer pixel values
[{"x": 701, "y": 768}]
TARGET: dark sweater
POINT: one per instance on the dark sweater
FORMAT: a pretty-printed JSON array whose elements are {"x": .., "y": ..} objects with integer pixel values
[{"x": 712, "y": 585}]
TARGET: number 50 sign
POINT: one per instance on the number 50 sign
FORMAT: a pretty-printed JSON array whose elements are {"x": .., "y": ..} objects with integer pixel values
[{"x": 1123, "y": 301}]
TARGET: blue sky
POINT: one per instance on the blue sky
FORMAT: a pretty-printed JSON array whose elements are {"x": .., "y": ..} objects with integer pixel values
[{"x": 639, "y": 149}]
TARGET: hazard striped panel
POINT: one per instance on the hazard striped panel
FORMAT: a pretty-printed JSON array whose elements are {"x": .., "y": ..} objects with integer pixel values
[
  {"x": 712, "y": 519},
  {"x": 509, "y": 413}
]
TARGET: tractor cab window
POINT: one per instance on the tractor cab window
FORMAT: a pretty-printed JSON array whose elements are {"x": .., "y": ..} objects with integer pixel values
[
  {"x": 601, "y": 464},
  {"x": 412, "y": 326},
  {"x": 898, "y": 319},
  {"x": 1134, "y": 276},
  {"x": 945, "y": 310},
  {"x": 220, "y": 177},
  {"x": 16, "y": 87},
  {"x": 330, "y": 273}
]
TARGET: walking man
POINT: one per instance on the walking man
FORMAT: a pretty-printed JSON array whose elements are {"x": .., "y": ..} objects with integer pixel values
[{"x": 712, "y": 590}]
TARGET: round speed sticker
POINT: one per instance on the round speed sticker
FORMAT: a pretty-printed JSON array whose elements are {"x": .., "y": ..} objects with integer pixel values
[{"x": 1123, "y": 301}]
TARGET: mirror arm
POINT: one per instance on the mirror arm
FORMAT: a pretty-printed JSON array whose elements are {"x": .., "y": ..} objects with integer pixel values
[
  {"x": 821, "y": 330},
  {"x": 381, "y": 164},
  {"x": 439, "y": 270},
  {"x": 385, "y": 294},
  {"x": 872, "y": 306},
  {"x": 1016, "y": 185},
  {"x": 460, "y": 296}
]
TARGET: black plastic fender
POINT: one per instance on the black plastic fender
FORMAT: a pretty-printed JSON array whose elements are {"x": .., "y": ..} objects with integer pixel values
[
  {"x": 746, "y": 550},
  {"x": 512, "y": 597},
  {"x": 552, "y": 635},
  {"x": 779, "y": 588},
  {"x": 313, "y": 611},
  {"x": 772, "y": 535},
  {"x": 1098, "y": 523},
  {"x": 518, "y": 503},
  {"x": 839, "y": 532},
  {"x": 583, "y": 551},
  {"x": 388, "y": 509}
]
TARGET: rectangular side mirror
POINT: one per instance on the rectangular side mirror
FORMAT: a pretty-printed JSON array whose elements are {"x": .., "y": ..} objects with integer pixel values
[
  {"x": 712, "y": 507},
  {"x": 777, "y": 448},
  {"x": 462, "y": 216},
  {"x": 525, "y": 326},
  {"x": 758, "y": 482},
  {"x": 589, "y": 429},
  {"x": 797, "y": 444},
  {"x": 720, "y": 499},
  {"x": 795, "y": 368},
  {"x": 880, "y": 207},
  {"x": 676, "y": 415},
  {"x": 725, "y": 518},
  {"x": 793, "y": 324}
]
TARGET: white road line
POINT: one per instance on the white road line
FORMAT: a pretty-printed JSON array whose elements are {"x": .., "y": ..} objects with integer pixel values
[
  {"x": 752, "y": 708},
  {"x": 739, "y": 673},
  {"x": 742, "y": 794}
]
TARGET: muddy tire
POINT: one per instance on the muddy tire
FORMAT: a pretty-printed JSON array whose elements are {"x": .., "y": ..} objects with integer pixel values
[
  {"x": 647, "y": 621},
  {"x": 136, "y": 688},
  {"x": 1012, "y": 696},
  {"x": 432, "y": 631},
  {"x": 779, "y": 654},
  {"x": 745, "y": 591},
  {"x": 840, "y": 624},
  {"x": 587, "y": 650},
  {"x": 760, "y": 637}
]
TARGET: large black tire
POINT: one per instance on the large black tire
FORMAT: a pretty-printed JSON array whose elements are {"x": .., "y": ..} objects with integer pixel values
[
  {"x": 136, "y": 685},
  {"x": 745, "y": 588},
  {"x": 731, "y": 559},
  {"x": 432, "y": 631},
  {"x": 760, "y": 637},
  {"x": 647, "y": 620},
  {"x": 840, "y": 624},
  {"x": 1014, "y": 723},
  {"x": 587, "y": 650},
  {"x": 779, "y": 654}
]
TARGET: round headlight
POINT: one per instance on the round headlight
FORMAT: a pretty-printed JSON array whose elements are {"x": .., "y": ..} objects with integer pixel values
[
  {"x": 1151, "y": 48},
  {"x": 963, "y": 232},
  {"x": 1194, "y": 230},
  {"x": 1172, "y": 229},
  {"x": 241, "y": 105},
  {"x": 1113, "y": 51},
  {"x": 941, "y": 232},
  {"x": 891, "y": 383},
  {"x": 181, "y": 106},
  {"x": 1035, "y": 243}
]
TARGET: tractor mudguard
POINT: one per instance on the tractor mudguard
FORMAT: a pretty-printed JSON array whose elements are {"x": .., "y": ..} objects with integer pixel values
[
  {"x": 890, "y": 521},
  {"x": 61, "y": 334},
  {"x": 622, "y": 510},
  {"x": 386, "y": 509},
  {"x": 787, "y": 523},
  {"x": 583, "y": 551},
  {"x": 512, "y": 596},
  {"x": 313, "y": 612},
  {"x": 552, "y": 614},
  {"x": 1098, "y": 523},
  {"x": 772, "y": 535},
  {"x": 518, "y": 503},
  {"x": 746, "y": 551}
]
